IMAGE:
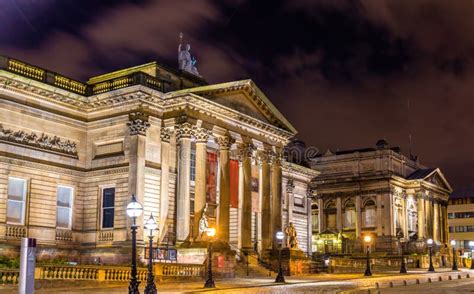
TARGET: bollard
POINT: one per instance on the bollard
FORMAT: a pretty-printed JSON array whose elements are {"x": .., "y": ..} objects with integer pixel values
[
  {"x": 450, "y": 278},
  {"x": 468, "y": 276},
  {"x": 429, "y": 280},
  {"x": 459, "y": 277},
  {"x": 391, "y": 284},
  {"x": 417, "y": 281},
  {"x": 404, "y": 282},
  {"x": 377, "y": 286},
  {"x": 440, "y": 278}
]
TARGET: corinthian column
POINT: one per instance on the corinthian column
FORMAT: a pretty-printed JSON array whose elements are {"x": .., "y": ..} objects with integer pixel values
[
  {"x": 246, "y": 151},
  {"x": 201, "y": 135},
  {"x": 224, "y": 142},
  {"x": 290, "y": 188},
  {"x": 183, "y": 137},
  {"x": 266, "y": 205},
  {"x": 276, "y": 197},
  {"x": 165, "y": 178},
  {"x": 421, "y": 217}
]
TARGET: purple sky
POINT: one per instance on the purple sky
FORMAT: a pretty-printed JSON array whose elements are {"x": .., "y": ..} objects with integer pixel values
[{"x": 345, "y": 73}]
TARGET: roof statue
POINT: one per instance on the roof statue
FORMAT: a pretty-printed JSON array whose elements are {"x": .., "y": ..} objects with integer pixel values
[{"x": 185, "y": 60}]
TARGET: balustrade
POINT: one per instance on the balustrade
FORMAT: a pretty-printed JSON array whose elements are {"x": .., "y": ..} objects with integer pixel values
[
  {"x": 62, "y": 235},
  {"x": 106, "y": 236},
  {"x": 15, "y": 232},
  {"x": 9, "y": 276}
]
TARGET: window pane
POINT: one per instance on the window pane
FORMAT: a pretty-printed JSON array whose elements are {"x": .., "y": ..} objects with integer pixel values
[
  {"x": 108, "y": 197},
  {"x": 63, "y": 217},
  {"x": 108, "y": 218},
  {"x": 64, "y": 196},
  {"x": 16, "y": 189},
  {"x": 370, "y": 217},
  {"x": 15, "y": 212}
]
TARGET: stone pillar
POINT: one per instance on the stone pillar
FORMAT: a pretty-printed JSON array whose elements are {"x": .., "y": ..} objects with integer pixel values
[
  {"x": 379, "y": 213},
  {"x": 266, "y": 205},
  {"x": 224, "y": 142},
  {"x": 310, "y": 222},
  {"x": 201, "y": 135},
  {"x": 358, "y": 207},
  {"x": 276, "y": 197},
  {"x": 183, "y": 137},
  {"x": 405, "y": 217},
  {"x": 322, "y": 226},
  {"x": 246, "y": 152},
  {"x": 339, "y": 220},
  {"x": 421, "y": 218},
  {"x": 435, "y": 221},
  {"x": 428, "y": 219},
  {"x": 164, "y": 180},
  {"x": 388, "y": 215},
  {"x": 138, "y": 125},
  {"x": 290, "y": 187}
]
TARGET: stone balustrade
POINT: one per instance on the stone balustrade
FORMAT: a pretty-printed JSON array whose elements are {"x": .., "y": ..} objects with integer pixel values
[
  {"x": 8, "y": 276},
  {"x": 179, "y": 270},
  {"x": 15, "y": 232}
]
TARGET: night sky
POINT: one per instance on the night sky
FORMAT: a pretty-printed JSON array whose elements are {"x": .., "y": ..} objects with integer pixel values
[{"x": 344, "y": 73}]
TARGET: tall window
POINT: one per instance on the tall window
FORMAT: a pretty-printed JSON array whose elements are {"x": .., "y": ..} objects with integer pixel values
[
  {"x": 64, "y": 207},
  {"x": 108, "y": 207},
  {"x": 349, "y": 215},
  {"x": 16, "y": 201},
  {"x": 315, "y": 217},
  {"x": 331, "y": 215},
  {"x": 193, "y": 165},
  {"x": 368, "y": 214}
]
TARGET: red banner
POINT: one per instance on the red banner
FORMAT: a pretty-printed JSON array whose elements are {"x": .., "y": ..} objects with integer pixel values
[
  {"x": 234, "y": 183},
  {"x": 211, "y": 177}
]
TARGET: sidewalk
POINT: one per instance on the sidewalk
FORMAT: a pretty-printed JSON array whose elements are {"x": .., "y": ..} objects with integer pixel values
[{"x": 329, "y": 283}]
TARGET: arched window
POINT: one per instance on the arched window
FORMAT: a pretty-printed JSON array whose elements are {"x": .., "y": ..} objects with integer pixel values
[
  {"x": 368, "y": 214},
  {"x": 315, "y": 217},
  {"x": 412, "y": 215},
  {"x": 330, "y": 213},
  {"x": 349, "y": 215}
]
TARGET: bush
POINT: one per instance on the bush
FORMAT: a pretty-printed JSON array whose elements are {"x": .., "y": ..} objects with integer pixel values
[{"x": 6, "y": 262}]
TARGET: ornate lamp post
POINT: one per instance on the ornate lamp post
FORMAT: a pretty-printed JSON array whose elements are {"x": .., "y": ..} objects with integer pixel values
[
  {"x": 150, "y": 225},
  {"x": 211, "y": 232},
  {"x": 471, "y": 244},
  {"x": 455, "y": 260},
  {"x": 403, "y": 265},
  {"x": 280, "y": 278},
  {"x": 134, "y": 210},
  {"x": 367, "y": 240},
  {"x": 430, "y": 247}
]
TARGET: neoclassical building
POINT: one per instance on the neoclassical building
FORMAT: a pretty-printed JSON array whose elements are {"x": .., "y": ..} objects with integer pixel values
[
  {"x": 72, "y": 153},
  {"x": 380, "y": 192}
]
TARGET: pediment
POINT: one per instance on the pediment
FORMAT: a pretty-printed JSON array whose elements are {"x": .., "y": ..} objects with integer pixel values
[{"x": 438, "y": 179}]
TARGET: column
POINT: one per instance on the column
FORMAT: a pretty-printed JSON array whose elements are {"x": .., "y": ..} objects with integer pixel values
[
  {"x": 138, "y": 125},
  {"x": 276, "y": 196},
  {"x": 339, "y": 222},
  {"x": 183, "y": 137},
  {"x": 322, "y": 227},
  {"x": 358, "y": 207},
  {"x": 428, "y": 219},
  {"x": 201, "y": 135},
  {"x": 290, "y": 187},
  {"x": 379, "y": 214},
  {"x": 246, "y": 151},
  {"x": 435, "y": 221},
  {"x": 405, "y": 217},
  {"x": 224, "y": 142},
  {"x": 164, "y": 180},
  {"x": 266, "y": 205},
  {"x": 388, "y": 215},
  {"x": 309, "y": 210},
  {"x": 421, "y": 217}
]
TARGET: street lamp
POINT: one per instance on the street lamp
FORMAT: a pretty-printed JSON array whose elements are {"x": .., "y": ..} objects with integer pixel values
[
  {"x": 280, "y": 278},
  {"x": 430, "y": 247},
  {"x": 134, "y": 210},
  {"x": 367, "y": 240},
  {"x": 403, "y": 265},
  {"x": 211, "y": 232},
  {"x": 150, "y": 225},
  {"x": 471, "y": 244},
  {"x": 455, "y": 260}
]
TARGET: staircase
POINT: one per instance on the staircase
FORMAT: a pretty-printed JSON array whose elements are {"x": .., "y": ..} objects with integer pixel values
[{"x": 249, "y": 264}]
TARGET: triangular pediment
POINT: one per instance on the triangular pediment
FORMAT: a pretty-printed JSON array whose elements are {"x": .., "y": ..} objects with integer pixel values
[
  {"x": 246, "y": 98},
  {"x": 433, "y": 176}
]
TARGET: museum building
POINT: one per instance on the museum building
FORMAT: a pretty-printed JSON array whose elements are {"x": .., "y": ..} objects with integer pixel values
[{"x": 72, "y": 153}]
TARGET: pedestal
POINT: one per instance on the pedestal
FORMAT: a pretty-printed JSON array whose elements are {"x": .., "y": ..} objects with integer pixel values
[{"x": 294, "y": 261}]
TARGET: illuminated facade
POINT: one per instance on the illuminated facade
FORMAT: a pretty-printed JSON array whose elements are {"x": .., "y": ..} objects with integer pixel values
[
  {"x": 72, "y": 153},
  {"x": 382, "y": 193},
  {"x": 461, "y": 219}
]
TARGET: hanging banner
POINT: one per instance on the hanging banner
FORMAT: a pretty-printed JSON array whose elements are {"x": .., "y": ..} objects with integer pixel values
[
  {"x": 211, "y": 177},
  {"x": 234, "y": 183},
  {"x": 255, "y": 189}
]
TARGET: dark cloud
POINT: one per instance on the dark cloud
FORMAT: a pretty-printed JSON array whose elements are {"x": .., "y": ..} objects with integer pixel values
[{"x": 344, "y": 72}]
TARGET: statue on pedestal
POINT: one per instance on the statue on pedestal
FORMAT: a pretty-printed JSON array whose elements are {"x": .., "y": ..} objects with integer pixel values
[
  {"x": 185, "y": 60},
  {"x": 291, "y": 240},
  {"x": 203, "y": 223}
]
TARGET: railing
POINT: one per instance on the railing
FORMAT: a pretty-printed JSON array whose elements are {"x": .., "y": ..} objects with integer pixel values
[
  {"x": 180, "y": 270},
  {"x": 68, "y": 273},
  {"x": 123, "y": 274},
  {"x": 15, "y": 232},
  {"x": 65, "y": 236},
  {"x": 39, "y": 74},
  {"x": 106, "y": 236},
  {"x": 8, "y": 276}
]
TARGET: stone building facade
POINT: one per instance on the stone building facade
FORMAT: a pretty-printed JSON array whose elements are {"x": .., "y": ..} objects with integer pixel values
[
  {"x": 73, "y": 153},
  {"x": 382, "y": 193}
]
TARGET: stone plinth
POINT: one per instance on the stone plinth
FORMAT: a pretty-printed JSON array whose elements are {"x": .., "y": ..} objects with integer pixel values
[{"x": 294, "y": 261}]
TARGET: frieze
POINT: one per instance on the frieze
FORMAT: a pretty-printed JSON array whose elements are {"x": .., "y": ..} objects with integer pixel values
[
  {"x": 42, "y": 167},
  {"x": 45, "y": 142},
  {"x": 353, "y": 193}
]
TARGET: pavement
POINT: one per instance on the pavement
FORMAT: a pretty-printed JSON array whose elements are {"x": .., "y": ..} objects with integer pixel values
[{"x": 386, "y": 282}]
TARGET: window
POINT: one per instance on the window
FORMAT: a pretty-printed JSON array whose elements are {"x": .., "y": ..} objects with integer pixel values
[
  {"x": 368, "y": 214},
  {"x": 16, "y": 201},
  {"x": 193, "y": 164},
  {"x": 108, "y": 207},
  {"x": 315, "y": 217},
  {"x": 349, "y": 216},
  {"x": 64, "y": 207}
]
